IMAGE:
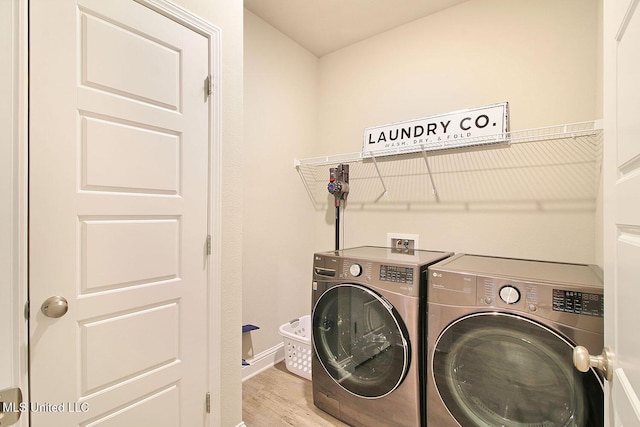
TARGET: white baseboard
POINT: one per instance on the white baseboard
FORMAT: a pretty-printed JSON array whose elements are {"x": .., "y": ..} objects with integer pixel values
[{"x": 262, "y": 361}]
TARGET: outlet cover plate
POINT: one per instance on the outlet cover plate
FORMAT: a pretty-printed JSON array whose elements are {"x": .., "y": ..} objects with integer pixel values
[{"x": 403, "y": 241}]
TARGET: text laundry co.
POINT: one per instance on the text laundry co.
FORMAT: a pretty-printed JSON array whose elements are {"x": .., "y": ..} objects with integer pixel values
[{"x": 474, "y": 126}]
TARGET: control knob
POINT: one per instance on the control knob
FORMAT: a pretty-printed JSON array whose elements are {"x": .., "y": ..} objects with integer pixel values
[
  {"x": 355, "y": 270},
  {"x": 509, "y": 294}
]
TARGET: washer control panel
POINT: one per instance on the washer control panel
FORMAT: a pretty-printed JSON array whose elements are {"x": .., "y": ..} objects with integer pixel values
[
  {"x": 356, "y": 269},
  {"x": 398, "y": 274},
  {"x": 401, "y": 279}
]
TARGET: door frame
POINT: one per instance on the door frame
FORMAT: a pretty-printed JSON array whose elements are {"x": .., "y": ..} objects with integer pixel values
[{"x": 19, "y": 199}]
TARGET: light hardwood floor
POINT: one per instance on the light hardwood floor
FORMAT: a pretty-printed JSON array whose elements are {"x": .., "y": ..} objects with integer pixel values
[{"x": 277, "y": 397}]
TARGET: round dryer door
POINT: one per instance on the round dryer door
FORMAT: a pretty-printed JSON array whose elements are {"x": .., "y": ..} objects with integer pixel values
[
  {"x": 360, "y": 340},
  {"x": 497, "y": 369}
]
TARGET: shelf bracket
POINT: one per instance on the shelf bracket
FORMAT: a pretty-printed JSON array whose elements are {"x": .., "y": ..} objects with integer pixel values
[
  {"x": 384, "y": 192},
  {"x": 433, "y": 185}
]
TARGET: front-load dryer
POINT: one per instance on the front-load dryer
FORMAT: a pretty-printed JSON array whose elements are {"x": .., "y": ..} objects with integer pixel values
[
  {"x": 500, "y": 343},
  {"x": 369, "y": 310}
]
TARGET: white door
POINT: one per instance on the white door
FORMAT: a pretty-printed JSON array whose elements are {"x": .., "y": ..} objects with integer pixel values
[
  {"x": 622, "y": 207},
  {"x": 118, "y": 216}
]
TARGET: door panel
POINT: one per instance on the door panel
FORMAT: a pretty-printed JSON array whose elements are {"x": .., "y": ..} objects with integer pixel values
[
  {"x": 154, "y": 244},
  {"x": 130, "y": 354},
  {"x": 152, "y": 68},
  {"x": 118, "y": 221},
  {"x": 628, "y": 93},
  {"x": 116, "y": 158}
]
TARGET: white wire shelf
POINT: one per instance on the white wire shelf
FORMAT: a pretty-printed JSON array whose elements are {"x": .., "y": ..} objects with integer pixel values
[{"x": 552, "y": 164}]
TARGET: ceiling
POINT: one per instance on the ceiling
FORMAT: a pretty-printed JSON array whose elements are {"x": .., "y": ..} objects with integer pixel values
[{"x": 322, "y": 26}]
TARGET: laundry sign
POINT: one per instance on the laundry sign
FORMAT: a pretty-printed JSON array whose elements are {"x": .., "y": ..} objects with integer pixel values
[{"x": 474, "y": 126}]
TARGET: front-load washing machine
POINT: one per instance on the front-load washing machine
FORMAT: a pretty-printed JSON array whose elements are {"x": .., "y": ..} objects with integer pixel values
[
  {"x": 369, "y": 310},
  {"x": 500, "y": 342}
]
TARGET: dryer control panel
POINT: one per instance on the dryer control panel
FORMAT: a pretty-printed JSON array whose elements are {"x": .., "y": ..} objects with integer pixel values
[
  {"x": 576, "y": 306},
  {"x": 568, "y": 294},
  {"x": 587, "y": 303}
]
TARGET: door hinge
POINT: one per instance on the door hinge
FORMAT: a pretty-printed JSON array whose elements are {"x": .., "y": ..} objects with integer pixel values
[
  {"x": 208, "y": 86},
  {"x": 207, "y": 402},
  {"x": 27, "y": 310},
  {"x": 208, "y": 244}
]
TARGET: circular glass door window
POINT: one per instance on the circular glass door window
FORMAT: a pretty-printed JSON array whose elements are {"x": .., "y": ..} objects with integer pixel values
[
  {"x": 360, "y": 340},
  {"x": 497, "y": 369}
]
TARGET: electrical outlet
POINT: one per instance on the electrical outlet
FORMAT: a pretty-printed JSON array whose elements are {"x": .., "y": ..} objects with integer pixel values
[{"x": 403, "y": 242}]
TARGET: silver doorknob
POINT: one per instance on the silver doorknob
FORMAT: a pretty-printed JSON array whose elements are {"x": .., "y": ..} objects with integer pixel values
[
  {"x": 582, "y": 360},
  {"x": 55, "y": 306}
]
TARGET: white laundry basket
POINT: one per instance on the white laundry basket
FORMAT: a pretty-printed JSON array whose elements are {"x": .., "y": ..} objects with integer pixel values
[{"x": 297, "y": 346}]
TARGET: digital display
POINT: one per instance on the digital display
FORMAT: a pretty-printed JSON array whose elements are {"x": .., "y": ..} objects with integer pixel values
[
  {"x": 578, "y": 302},
  {"x": 392, "y": 273}
]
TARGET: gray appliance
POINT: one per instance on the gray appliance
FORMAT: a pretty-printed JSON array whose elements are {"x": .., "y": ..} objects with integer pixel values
[
  {"x": 501, "y": 334},
  {"x": 369, "y": 310}
]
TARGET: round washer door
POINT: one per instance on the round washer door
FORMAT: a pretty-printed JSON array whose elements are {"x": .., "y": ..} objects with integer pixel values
[
  {"x": 360, "y": 340},
  {"x": 498, "y": 369}
]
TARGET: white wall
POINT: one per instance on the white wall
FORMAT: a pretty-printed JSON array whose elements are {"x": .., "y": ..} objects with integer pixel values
[
  {"x": 280, "y": 120},
  {"x": 541, "y": 57}
]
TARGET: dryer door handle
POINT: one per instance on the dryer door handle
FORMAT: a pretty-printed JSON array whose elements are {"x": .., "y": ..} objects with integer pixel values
[
  {"x": 582, "y": 360},
  {"x": 327, "y": 272}
]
